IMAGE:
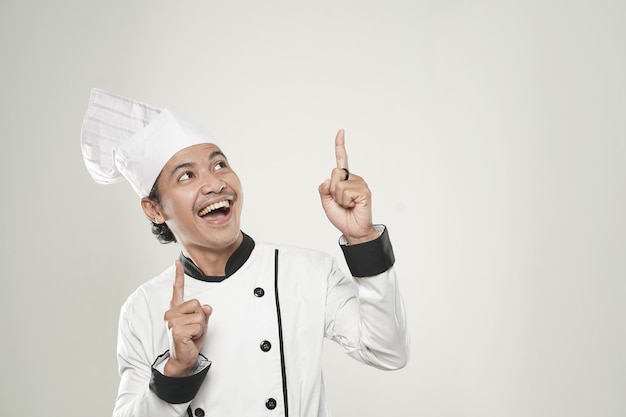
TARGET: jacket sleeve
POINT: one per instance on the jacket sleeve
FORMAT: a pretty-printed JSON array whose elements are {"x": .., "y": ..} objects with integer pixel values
[
  {"x": 144, "y": 391},
  {"x": 365, "y": 313}
]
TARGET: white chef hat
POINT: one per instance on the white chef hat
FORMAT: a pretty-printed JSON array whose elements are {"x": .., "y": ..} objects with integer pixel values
[{"x": 125, "y": 139}]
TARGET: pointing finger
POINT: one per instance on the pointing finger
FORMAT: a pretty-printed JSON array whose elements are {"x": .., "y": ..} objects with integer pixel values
[
  {"x": 340, "y": 150},
  {"x": 179, "y": 286}
]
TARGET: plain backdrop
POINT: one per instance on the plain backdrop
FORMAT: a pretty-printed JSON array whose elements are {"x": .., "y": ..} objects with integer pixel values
[{"x": 492, "y": 135}]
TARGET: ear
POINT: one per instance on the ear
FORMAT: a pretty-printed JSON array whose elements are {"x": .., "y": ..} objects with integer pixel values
[{"x": 152, "y": 210}]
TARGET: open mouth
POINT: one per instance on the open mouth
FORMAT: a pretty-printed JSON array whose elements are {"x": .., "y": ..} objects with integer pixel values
[{"x": 218, "y": 209}]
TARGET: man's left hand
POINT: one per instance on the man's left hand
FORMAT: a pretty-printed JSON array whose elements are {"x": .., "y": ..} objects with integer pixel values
[{"x": 347, "y": 199}]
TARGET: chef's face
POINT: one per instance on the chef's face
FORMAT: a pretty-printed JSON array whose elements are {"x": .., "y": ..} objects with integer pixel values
[{"x": 201, "y": 198}]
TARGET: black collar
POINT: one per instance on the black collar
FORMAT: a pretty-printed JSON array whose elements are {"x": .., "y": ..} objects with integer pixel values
[{"x": 236, "y": 261}]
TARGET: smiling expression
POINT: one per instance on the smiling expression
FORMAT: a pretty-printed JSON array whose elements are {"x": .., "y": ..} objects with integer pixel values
[{"x": 201, "y": 199}]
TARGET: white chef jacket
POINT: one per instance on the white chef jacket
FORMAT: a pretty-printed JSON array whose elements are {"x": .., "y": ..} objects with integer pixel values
[{"x": 262, "y": 352}]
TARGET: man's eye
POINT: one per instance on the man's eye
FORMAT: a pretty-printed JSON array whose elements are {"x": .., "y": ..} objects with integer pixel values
[
  {"x": 220, "y": 165},
  {"x": 185, "y": 176}
]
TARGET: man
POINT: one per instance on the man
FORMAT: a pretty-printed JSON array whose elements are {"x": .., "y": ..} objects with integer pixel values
[{"x": 244, "y": 321}]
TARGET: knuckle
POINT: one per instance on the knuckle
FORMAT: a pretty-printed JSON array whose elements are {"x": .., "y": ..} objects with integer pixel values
[{"x": 193, "y": 303}]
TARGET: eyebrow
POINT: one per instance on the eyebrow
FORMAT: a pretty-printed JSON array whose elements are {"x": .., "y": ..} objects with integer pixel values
[
  {"x": 217, "y": 153},
  {"x": 184, "y": 165}
]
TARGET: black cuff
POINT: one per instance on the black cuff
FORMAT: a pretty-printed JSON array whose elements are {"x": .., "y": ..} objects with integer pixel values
[
  {"x": 176, "y": 390},
  {"x": 370, "y": 258}
]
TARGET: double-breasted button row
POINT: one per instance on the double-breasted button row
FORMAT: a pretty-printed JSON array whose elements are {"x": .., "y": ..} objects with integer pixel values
[
  {"x": 265, "y": 346},
  {"x": 270, "y": 403}
]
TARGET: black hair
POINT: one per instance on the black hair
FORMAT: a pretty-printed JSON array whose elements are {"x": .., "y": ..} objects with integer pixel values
[{"x": 161, "y": 231}]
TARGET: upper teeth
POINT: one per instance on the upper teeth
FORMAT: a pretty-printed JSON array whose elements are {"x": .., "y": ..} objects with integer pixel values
[{"x": 214, "y": 206}]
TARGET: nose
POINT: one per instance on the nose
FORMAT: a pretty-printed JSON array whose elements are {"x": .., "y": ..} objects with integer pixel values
[{"x": 211, "y": 184}]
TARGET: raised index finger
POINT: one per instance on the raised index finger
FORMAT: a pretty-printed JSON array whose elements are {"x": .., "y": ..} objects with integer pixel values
[
  {"x": 179, "y": 285},
  {"x": 340, "y": 150}
]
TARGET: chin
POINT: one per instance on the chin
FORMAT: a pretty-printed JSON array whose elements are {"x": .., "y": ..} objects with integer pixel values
[{"x": 225, "y": 240}]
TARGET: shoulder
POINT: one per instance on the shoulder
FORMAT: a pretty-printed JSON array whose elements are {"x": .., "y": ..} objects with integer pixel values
[
  {"x": 296, "y": 256},
  {"x": 154, "y": 293}
]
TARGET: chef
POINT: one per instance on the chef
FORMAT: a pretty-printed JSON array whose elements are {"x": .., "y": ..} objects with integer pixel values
[{"x": 236, "y": 327}]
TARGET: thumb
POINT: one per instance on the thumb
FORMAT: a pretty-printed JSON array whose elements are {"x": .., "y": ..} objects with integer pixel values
[
  {"x": 324, "y": 188},
  {"x": 207, "y": 311}
]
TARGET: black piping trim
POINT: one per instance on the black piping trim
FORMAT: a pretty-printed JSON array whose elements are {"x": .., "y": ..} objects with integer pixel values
[
  {"x": 236, "y": 261},
  {"x": 189, "y": 411},
  {"x": 280, "y": 334}
]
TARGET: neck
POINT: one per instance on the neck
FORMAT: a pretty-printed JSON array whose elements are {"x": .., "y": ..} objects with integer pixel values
[{"x": 212, "y": 261}]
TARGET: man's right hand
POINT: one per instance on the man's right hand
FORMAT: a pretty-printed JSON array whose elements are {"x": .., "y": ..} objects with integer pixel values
[{"x": 187, "y": 325}]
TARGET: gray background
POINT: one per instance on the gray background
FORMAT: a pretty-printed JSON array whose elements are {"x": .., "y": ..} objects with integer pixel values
[{"x": 492, "y": 134}]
